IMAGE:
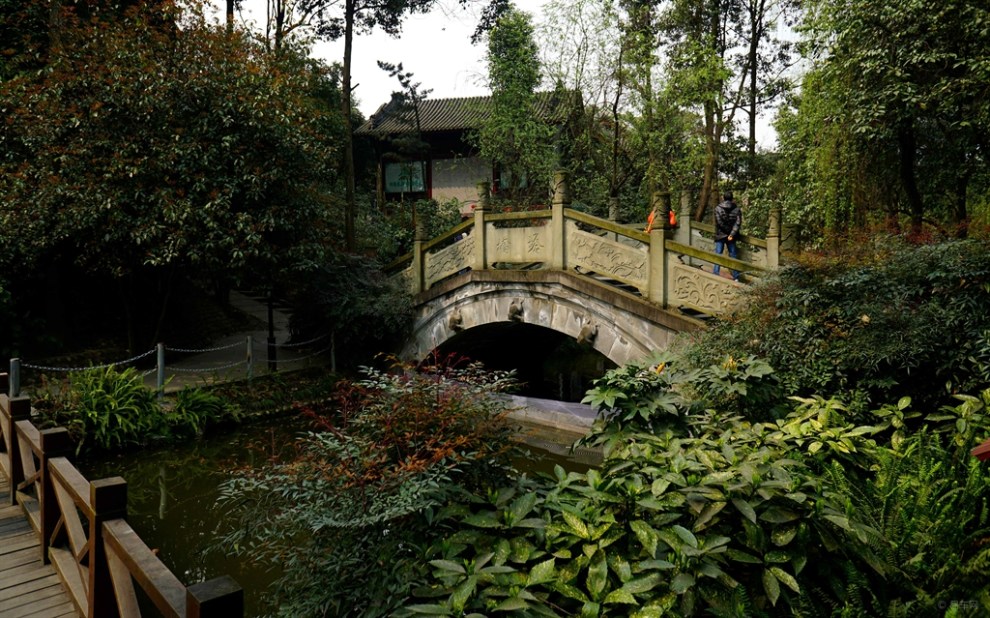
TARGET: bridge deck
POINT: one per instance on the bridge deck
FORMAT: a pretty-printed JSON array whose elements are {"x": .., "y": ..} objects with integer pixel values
[{"x": 27, "y": 587}]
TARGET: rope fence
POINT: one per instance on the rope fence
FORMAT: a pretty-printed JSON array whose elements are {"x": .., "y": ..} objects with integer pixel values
[{"x": 249, "y": 345}]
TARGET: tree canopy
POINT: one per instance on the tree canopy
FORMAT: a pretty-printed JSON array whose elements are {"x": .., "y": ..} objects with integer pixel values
[
  {"x": 142, "y": 147},
  {"x": 515, "y": 136}
]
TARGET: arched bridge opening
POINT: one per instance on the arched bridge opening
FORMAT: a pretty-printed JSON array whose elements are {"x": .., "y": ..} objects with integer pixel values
[
  {"x": 537, "y": 321},
  {"x": 548, "y": 364}
]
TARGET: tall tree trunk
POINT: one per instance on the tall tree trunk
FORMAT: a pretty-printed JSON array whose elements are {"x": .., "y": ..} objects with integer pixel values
[
  {"x": 230, "y": 16},
  {"x": 349, "y": 206},
  {"x": 711, "y": 156},
  {"x": 907, "y": 150},
  {"x": 613, "y": 184},
  {"x": 754, "y": 45}
]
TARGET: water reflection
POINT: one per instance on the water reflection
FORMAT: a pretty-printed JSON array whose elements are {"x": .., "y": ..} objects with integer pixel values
[{"x": 172, "y": 494}]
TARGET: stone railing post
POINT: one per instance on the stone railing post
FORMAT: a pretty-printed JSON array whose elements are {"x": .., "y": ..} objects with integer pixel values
[
  {"x": 54, "y": 443},
  {"x": 683, "y": 232},
  {"x": 484, "y": 205},
  {"x": 561, "y": 199},
  {"x": 660, "y": 200},
  {"x": 418, "y": 265},
  {"x": 108, "y": 499},
  {"x": 773, "y": 239},
  {"x": 658, "y": 269}
]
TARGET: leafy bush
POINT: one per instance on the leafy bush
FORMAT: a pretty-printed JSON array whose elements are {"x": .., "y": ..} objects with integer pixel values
[
  {"x": 107, "y": 409},
  {"x": 392, "y": 233},
  {"x": 194, "y": 409},
  {"x": 359, "y": 500},
  {"x": 350, "y": 297},
  {"x": 904, "y": 321},
  {"x": 718, "y": 514}
]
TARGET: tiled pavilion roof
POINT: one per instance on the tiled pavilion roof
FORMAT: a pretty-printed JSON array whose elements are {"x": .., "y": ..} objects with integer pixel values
[{"x": 454, "y": 114}]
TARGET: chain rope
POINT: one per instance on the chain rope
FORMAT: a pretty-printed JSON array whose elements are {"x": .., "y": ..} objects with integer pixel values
[
  {"x": 104, "y": 366},
  {"x": 175, "y": 369},
  {"x": 201, "y": 351}
]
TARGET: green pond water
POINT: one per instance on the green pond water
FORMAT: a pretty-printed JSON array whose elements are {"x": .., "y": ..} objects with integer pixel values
[{"x": 172, "y": 494}]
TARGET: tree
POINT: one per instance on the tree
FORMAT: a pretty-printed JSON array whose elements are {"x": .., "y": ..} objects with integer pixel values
[
  {"x": 357, "y": 16},
  {"x": 765, "y": 59},
  {"x": 515, "y": 136},
  {"x": 141, "y": 153},
  {"x": 23, "y": 36},
  {"x": 699, "y": 37},
  {"x": 912, "y": 77},
  {"x": 405, "y": 104},
  {"x": 579, "y": 43}
]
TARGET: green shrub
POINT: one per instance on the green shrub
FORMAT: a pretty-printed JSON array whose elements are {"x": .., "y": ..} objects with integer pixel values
[
  {"x": 358, "y": 502},
  {"x": 699, "y": 510},
  {"x": 106, "y": 409},
  {"x": 194, "y": 409},
  {"x": 908, "y": 321}
]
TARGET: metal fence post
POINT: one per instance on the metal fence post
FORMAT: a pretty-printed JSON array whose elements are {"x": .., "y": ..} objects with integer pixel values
[
  {"x": 161, "y": 370},
  {"x": 250, "y": 358}
]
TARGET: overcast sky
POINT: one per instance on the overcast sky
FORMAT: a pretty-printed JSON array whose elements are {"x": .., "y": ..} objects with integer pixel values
[{"x": 437, "y": 49}]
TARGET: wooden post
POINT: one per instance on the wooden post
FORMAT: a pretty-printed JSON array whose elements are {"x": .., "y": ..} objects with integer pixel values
[
  {"x": 14, "y": 385},
  {"x": 561, "y": 199},
  {"x": 16, "y": 409},
  {"x": 220, "y": 598},
  {"x": 108, "y": 499},
  {"x": 480, "y": 261},
  {"x": 773, "y": 239},
  {"x": 658, "y": 268},
  {"x": 54, "y": 443}
]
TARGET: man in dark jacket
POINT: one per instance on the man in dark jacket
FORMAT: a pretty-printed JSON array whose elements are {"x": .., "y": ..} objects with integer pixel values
[{"x": 728, "y": 219}]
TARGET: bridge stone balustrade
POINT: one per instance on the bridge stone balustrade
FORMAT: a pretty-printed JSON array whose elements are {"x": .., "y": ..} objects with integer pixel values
[
  {"x": 566, "y": 270},
  {"x": 83, "y": 532}
]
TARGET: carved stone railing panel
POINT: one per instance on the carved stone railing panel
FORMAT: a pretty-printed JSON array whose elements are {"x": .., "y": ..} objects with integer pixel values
[
  {"x": 694, "y": 288},
  {"x": 449, "y": 260},
  {"x": 607, "y": 257},
  {"x": 517, "y": 245}
]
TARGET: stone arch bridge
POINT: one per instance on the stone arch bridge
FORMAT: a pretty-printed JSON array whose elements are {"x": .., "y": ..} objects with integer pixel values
[{"x": 620, "y": 290}]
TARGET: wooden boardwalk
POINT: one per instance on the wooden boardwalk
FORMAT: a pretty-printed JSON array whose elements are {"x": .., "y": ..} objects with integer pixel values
[{"x": 27, "y": 587}]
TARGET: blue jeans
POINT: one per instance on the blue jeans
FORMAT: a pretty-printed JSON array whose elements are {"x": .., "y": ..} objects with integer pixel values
[{"x": 733, "y": 253}]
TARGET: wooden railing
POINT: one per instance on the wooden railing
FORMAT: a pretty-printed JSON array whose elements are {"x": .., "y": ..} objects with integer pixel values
[
  {"x": 667, "y": 267},
  {"x": 83, "y": 533}
]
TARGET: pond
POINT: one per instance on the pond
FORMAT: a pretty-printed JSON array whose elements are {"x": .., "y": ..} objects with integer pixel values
[{"x": 172, "y": 492}]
